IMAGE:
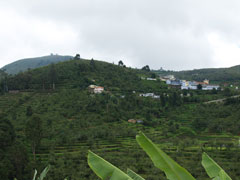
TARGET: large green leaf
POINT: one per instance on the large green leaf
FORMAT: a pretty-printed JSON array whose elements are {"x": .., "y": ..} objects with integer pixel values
[
  {"x": 104, "y": 169},
  {"x": 162, "y": 161},
  {"x": 35, "y": 174},
  {"x": 134, "y": 175},
  {"x": 44, "y": 173},
  {"x": 213, "y": 169},
  {"x": 223, "y": 175}
]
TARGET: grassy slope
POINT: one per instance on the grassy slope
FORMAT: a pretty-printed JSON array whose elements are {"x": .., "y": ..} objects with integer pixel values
[{"x": 31, "y": 63}]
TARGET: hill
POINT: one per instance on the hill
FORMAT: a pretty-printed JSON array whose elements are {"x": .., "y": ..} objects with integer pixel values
[
  {"x": 31, "y": 63},
  {"x": 218, "y": 75},
  {"x": 82, "y": 73},
  {"x": 53, "y": 107}
]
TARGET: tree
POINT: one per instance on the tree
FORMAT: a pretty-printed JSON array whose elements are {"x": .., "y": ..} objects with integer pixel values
[
  {"x": 120, "y": 63},
  {"x": 19, "y": 160},
  {"x": 29, "y": 111},
  {"x": 172, "y": 169},
  {"x": 199, "y": 86},
  {"x": 92, "y": 64},
  {"x": 77, "y": 57},
  {"x": 33, "y": 132},
  {"x": 163, "y": 100},
  {"x": 7, "y": 134},
  {"x": 227, "y": 92},
  {"x": 4, "y": 80},
  {"x": 153, "y": 75},
  {"x": 146, "y": 68},
  {"x": 175, "y": 99},
  {"x": 214, "y": 91},
  {"x": 7, "y": 138},
  {"x": 53, "y": 75}
]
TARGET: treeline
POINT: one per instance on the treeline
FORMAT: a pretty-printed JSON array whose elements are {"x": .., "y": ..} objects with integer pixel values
[
  {"x": 218, "y": 118},
  {"x": 14, "y": 156},
  {"x": 77, "y": 74},
  {"x": 215, "y": 75}
]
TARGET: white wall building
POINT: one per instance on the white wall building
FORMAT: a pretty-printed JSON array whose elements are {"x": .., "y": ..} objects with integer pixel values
[
  {"x": 210, "y": 87},
  {"x": 150, "y": 95},
  {"x": 98, "y": 90}
]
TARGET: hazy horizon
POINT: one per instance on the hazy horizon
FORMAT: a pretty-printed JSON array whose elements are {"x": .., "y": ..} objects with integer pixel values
[{"x": 117, "y": 63}]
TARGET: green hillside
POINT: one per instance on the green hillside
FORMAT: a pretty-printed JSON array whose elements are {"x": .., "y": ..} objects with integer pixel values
[
  {"x": 82, "y": 73},
  {"x": 50, "y": 112},
  {"x": 218, "y": 75},
  {"x": 31, "y": 63}
]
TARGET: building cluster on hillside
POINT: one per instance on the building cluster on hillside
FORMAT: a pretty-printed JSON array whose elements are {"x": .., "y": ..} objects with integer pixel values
[
  {"x": 96, "y": 89},
  {"x": 184, "y": 84}
]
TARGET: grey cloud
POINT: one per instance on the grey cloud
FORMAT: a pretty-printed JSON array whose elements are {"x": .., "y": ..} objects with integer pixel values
[{"x": 170, "y": 34}]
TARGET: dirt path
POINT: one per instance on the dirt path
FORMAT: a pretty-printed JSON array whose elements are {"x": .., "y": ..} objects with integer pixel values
[{"x": 221, "y": 100}]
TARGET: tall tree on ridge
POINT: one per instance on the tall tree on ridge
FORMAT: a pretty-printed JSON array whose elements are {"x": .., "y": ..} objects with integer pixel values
[
  {"x": 77, "y": 57},
  {"x": 120, "y": 63},
  {"x": 53, "y": 75},
  {"x": 33, "y": 133}
]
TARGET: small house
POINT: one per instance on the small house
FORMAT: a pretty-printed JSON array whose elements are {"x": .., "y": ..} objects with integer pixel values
[
  {"x": 95, "y": 89},
  {"x": 151, "y": 79},
  {"x": 132, "y": 121},
  {"x": 98, "y": 90},
  {"x": 206, "y": 81}
]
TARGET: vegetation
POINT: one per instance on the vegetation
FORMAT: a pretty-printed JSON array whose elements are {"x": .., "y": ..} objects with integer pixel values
[
  {"x": 31, "y": 63},
  {"x": 217, "y": 75},
  {"x": 70, "y": 120},
  {"x": 173, "y": 171}
]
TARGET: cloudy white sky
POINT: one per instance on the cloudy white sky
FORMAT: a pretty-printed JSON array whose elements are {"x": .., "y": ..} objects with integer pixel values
[{"x": 173, "y": 34}]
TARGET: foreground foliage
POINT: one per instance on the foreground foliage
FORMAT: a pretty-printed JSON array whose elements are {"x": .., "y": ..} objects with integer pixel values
[{"x": 172, "y": 170}]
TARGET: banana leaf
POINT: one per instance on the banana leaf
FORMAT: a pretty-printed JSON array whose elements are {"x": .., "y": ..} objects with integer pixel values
[
  {"x": 104, "y": 169},
  {"x": 44, "y": 173},
  {"x": 162, "y": 161},
  {"x": 213, "y": 169},
  {"x": 134, "y": 175},
  {"x": 35, "y": 174}
]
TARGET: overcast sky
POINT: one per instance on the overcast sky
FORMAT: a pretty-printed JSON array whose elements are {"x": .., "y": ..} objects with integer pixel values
[{"x": 173, "y": 34}]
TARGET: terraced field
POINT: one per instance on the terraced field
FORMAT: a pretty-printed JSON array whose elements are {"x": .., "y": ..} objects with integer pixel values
[
  {"x": 188, "y": 156},
  {"x": 124, "y": 151}
]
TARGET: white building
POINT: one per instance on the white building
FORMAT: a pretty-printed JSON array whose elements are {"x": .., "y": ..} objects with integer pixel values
[
  {"x": 150, "y": 95},
  {"x": 189, "y": 86},
  {"x": 151, "y": 79},
  {"x": 210, "y": 87},
  {"x": 170, "y": 77},
  {"x": 98, "y": 90}
]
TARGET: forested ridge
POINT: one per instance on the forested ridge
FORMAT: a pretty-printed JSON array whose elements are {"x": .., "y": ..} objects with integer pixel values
[
  {"x": 49, "y": 116},
  {"x": 215, "y": 75},
  {"x": 32, "y": 63}
]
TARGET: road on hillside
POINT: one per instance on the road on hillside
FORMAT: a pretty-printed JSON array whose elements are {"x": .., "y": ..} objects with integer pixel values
[{"x": 220, "y": 100}]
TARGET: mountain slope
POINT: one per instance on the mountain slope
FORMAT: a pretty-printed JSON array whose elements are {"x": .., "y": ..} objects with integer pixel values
[
  {"x": 80, "y": 74},
  {"x": 31, "y": 63},
  {"x": 218, "y": 75},
  {"x": 73, "y": 120}
]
